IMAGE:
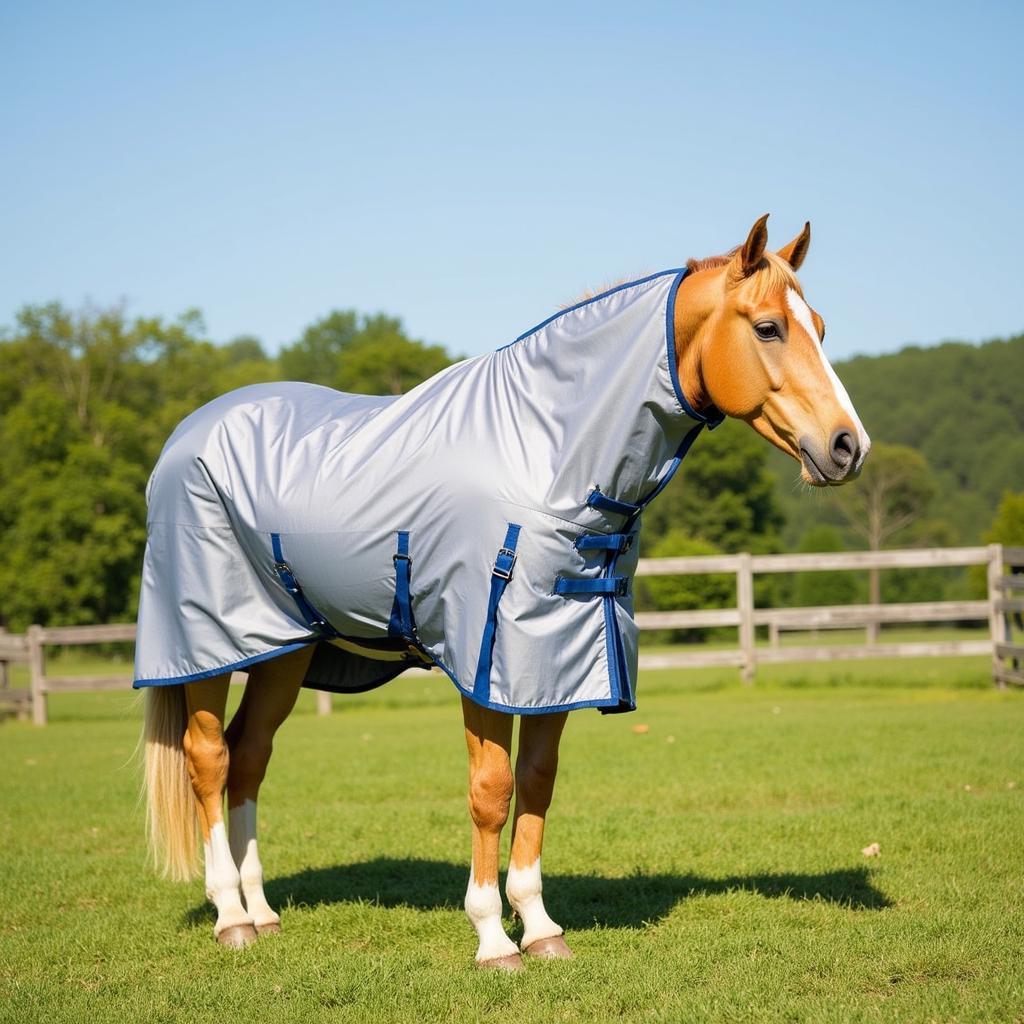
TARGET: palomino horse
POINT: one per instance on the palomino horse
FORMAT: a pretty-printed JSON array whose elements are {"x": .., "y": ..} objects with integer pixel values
[{"x": 555, "y": 442}]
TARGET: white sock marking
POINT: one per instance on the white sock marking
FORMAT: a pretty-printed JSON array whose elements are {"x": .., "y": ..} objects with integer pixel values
[
  {"x": 523, "y": 888},
  {"x": 244, "y": 852},
  {"x": 222, "y": 881},
  {"x": 802, "y": 314},
  {"x": 483, "y": 907}
]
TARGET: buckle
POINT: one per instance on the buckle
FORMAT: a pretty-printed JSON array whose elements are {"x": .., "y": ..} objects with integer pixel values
[
  {"x": 505, "y": 574},
  {"x": 627, "y": 543},
  {"x": 621, "y": 586},
  {"x": 399, "y": 556},
  {"x": 282, "y": 567}
]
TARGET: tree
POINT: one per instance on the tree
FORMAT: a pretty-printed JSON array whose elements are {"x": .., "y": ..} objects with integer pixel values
[
  {"x": 723, "y": 493},
  {"x": 370, "y": 355},
  {"x": 1008, "y": 525},
  {"x": 678, "y": 593},
  {"x": 88, "y": 400},
  {"x": 824, "y": 587},
  {"x": 314, "y": 357},
  {"x": 893, "y": 492}
]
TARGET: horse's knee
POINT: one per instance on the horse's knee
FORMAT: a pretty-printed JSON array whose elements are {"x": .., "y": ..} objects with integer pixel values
[
  {"x": 535, "y": 780},
  {"x": 490, "y": 795}
]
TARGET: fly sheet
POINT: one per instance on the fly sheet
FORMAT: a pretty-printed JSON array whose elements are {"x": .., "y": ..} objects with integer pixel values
[{"x": 484, "y": 522}]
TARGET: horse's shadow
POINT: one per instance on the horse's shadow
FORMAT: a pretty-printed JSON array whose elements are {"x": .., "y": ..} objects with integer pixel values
[{"x": 575, "y": 901}]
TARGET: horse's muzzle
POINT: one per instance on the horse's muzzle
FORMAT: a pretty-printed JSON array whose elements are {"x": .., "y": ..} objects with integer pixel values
[{"x": 841, "y": 462}]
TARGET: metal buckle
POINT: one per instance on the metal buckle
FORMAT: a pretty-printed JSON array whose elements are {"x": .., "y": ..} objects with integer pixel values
[
  {"x": 627, "y": 543},
  {"x": 621, "y": 586},
  {"x": 282, "y": 567},
  {"x": 405, "y": 558},
  {"x": 505, "y": 574}
]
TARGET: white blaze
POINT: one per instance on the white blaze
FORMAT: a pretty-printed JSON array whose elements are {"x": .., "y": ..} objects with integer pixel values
[{"x": 802, "y": 315}]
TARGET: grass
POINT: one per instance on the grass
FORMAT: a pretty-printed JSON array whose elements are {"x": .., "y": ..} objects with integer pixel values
[{"x": 708, "y": 869}]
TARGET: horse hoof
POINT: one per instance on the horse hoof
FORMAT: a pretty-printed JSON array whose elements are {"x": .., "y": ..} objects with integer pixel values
[
  {"x": 270, "y": 928},
  {"x": 237, "y": 936},
  {"x": 511, "y": 964},
  {"x": 554, "y": 948}
]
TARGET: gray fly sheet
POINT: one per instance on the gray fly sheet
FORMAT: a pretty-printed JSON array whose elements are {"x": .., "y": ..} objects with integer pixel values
[{"x": 483, "y": 523}]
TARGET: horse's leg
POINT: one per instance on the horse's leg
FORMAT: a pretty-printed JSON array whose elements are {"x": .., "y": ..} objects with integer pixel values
[
  {"x": 269, "y": 697},
  {"x": 536, "y": 765},
  {"x": 206, "y": 753},
  {"x": 489, "y": 740}
]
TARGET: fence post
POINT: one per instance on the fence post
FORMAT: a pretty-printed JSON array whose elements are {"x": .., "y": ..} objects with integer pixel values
[
  {"x": 5, "y": 678},
  {"x": 37, "y": 673},
  {"x": 745, "y": 606},
  {"x": 996, "y": 619},
  {"x": 323, "y": 702}
]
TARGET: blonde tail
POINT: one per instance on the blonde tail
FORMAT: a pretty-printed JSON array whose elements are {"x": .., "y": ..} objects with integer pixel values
[{"x": 170, "y": 804}]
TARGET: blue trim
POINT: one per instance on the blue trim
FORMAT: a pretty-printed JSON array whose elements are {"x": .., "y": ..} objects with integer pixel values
[
  {"x": 317, "y": 622},
  {"x": 677, "y": 461},
  {"x": 616, "y": 586},
  {"x": 713, "y": 417},
  {"x": 500, "y": 576},
  {"x": 235, "y": 666},
  {"x": 587, "y": 302}
]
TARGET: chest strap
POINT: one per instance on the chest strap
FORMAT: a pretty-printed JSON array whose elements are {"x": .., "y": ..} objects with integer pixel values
[
  {"x": 595, "y": 499},
  {"x": 620, "y": 542},
  {"x": 613, "y": 586}
]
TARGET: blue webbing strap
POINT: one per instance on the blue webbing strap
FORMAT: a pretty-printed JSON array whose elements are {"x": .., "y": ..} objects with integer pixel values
[
  {"x": 615, "y": 586},
  {"x": 284, "y": 572},
  {"x": 401, "y": 623},
  {"x": 620, "y": 542},
  {"x": 595, "y": 499},
  {"x": 500, "y": 575}
]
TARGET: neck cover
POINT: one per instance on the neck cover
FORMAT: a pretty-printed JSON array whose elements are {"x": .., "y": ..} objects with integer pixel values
[{"x": 483, "y": 523}]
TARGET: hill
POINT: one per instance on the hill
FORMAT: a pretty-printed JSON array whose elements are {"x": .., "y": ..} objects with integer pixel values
[{"x": 960, "y": 405}]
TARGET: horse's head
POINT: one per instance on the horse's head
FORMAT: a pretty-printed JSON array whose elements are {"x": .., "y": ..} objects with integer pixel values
[{"x": 748, "y": 343}]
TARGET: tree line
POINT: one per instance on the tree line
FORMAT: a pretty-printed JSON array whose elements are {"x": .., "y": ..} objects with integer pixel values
[{"x": 88, "y": 397}]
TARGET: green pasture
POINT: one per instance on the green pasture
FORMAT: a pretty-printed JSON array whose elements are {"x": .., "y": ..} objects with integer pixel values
[{"x": 709, "y": 868}]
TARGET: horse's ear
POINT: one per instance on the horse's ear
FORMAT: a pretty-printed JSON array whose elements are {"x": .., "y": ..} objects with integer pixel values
[
  {"x": 795, "y": 252},
  {"x": 752, "y": 251}
]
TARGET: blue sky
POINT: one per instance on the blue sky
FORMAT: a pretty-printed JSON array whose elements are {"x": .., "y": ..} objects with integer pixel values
[{"x": 471, "y": 167}]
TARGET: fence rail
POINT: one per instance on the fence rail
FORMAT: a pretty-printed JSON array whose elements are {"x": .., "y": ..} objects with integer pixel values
[{"x": 1003, "y": 609}]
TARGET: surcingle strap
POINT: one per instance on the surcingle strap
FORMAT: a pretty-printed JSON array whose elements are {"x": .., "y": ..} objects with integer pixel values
[
  {"x": 401, "y": 623},
  {"x": 504, "y": 563},
  {"x": 313, "y": 618}
]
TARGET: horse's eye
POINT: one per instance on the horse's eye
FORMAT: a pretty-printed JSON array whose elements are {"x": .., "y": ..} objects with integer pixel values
[{"x": 767, "y": 331}]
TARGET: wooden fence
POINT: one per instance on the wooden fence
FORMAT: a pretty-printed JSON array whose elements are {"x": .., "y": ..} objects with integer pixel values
[{"x": 1002, "y": 610}]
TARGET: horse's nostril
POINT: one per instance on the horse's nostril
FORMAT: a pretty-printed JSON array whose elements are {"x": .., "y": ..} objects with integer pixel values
[{"x": 843, "y": 447}]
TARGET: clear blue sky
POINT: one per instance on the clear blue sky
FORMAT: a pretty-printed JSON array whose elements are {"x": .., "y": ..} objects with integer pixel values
[{"x": 470, "y": 167}]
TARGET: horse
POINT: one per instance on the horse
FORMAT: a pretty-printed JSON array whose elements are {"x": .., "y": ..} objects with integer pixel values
[{"x": 276, "y": 546}]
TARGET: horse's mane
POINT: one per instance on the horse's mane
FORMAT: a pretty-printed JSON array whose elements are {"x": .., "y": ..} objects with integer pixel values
[{"x": 773, "y": 274}]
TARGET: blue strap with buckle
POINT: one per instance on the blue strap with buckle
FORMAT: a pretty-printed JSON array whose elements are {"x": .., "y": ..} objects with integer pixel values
[
  {"x": 401, "y": 623},
  {"x": 313, "y": 618},
  {"x": 504, "y": 562},
  {"x": 612, "y": 586},
  {"x": 620, "y": 542}
]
